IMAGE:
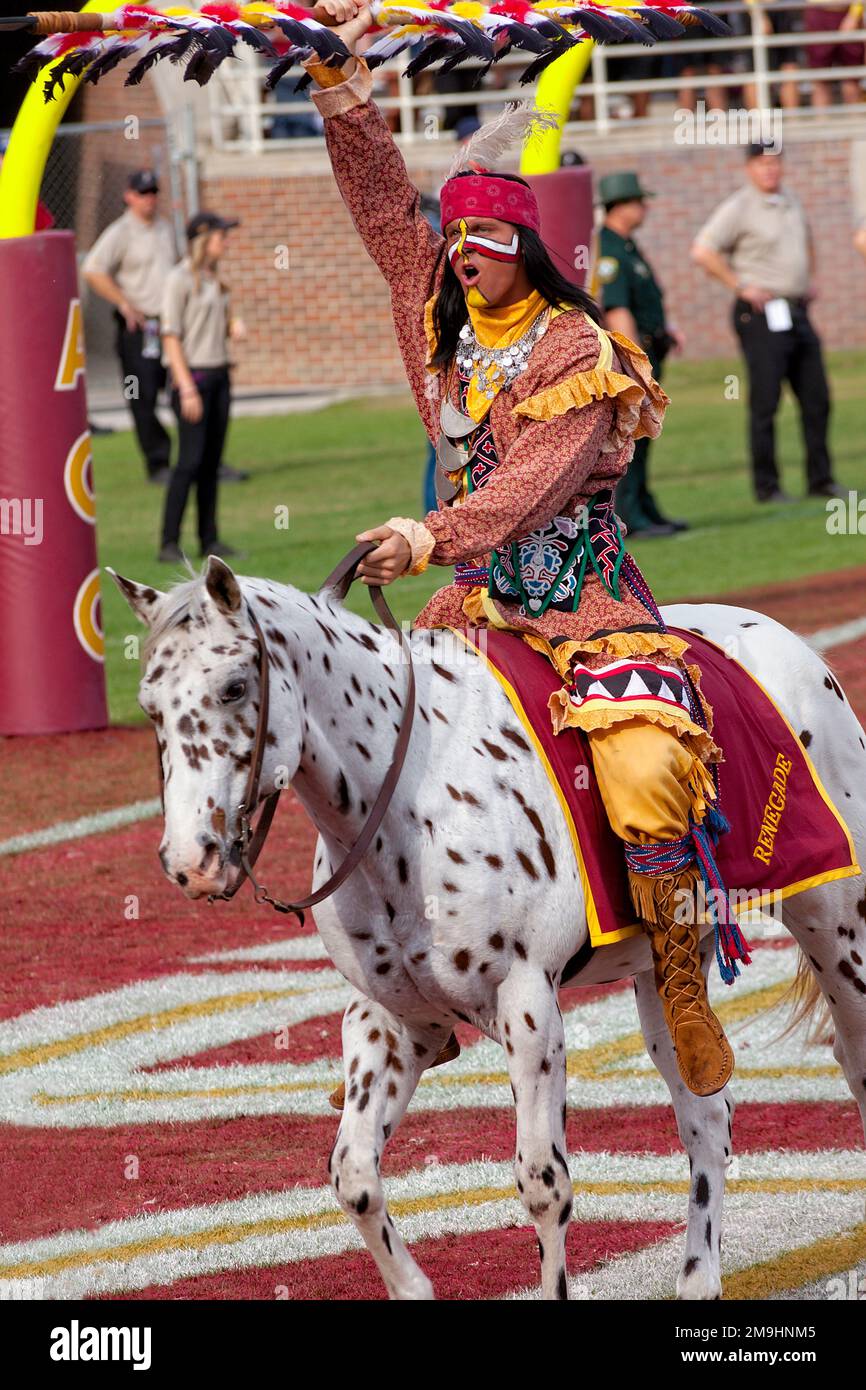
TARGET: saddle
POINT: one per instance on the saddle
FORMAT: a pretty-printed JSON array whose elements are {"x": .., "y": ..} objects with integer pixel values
[{"x": 786, "y": 835}]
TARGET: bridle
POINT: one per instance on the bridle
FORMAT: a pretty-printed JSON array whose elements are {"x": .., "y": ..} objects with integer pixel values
[{"x": 249, "y": 841}]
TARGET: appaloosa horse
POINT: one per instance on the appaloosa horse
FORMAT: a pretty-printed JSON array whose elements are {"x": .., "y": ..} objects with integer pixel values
[{"x": 468, "y": 904}]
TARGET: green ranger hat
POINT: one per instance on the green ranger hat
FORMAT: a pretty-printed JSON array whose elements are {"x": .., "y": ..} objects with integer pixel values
[{"x": 620, "y": 188}]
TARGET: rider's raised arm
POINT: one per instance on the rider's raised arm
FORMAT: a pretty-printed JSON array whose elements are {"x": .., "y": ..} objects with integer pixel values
[
  {"x": 385, "y": 207},
  {"x": 383, "y": 203}
]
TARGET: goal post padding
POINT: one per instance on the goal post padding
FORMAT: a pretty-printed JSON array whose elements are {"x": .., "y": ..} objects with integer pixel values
[
  {"x": 565, "y": 205},
  {"x": 52, "y": 677}
]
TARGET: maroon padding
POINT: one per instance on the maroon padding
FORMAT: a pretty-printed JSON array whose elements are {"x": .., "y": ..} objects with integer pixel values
[
  {"x": 49, "y": 681},
  {"x": 565, "y": 203}
]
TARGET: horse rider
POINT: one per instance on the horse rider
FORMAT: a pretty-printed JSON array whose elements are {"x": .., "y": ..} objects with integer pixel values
[{"x": 536, "y": 410}]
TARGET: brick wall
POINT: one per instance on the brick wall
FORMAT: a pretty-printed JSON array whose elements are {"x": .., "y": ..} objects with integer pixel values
[
  {"x": 325, "y": 319},
  {"x": 107, "y": 158}
]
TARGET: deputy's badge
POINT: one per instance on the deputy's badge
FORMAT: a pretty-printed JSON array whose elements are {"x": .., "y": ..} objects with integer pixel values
[{"x": 608, "y": 269}]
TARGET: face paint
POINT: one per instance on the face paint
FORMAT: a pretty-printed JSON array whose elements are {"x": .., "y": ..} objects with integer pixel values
[{"x": 484, "y": 246}]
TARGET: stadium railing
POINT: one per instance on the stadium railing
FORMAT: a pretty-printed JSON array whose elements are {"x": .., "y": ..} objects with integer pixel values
[{"x": 241, "y": 113}]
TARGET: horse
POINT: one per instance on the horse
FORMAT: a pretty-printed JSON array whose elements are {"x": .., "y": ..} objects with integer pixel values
[{"x": 468, "y": 905}]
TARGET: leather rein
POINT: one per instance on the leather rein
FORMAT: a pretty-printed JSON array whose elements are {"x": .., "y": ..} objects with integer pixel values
[{"x": 250, "y": 841}]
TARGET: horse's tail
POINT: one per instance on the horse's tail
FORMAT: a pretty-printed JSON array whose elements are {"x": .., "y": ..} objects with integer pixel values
[{"x": 807, "y": 1004}]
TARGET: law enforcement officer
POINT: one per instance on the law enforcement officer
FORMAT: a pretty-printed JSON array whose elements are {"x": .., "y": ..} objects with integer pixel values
[
  {"x": 128, "y": 265},
  {"x": 634, "y": 306},
  {"x": 758, "y": 244}
]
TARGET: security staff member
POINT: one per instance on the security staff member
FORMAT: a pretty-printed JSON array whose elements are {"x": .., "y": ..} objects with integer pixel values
[
  {"x": 634, "y": 306},
  {"x": 197, "y": 329},
  {"x": 758, "y": 243},
  {"x": 128, "y": 265}
]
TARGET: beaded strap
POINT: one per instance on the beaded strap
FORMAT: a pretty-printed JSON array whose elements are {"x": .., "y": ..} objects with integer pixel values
[
  {"x": 658, "y": 859},
  {"x": 470, "y": 575}
]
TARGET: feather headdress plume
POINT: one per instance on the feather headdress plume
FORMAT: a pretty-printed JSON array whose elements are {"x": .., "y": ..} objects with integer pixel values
[
  {"x": 440, "y": 33},
  {"x": 521, "y": 122}
]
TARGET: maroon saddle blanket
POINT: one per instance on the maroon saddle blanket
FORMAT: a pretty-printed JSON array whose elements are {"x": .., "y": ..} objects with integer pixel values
[{"x": 786, "y": 835}]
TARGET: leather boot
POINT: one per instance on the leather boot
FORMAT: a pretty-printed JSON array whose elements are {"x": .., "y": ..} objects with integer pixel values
[
  {"x": 704, "y": 1055},
  {"x": 447, "y": 1052}
]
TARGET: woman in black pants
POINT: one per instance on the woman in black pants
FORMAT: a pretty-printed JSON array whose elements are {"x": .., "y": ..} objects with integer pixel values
[{"x": 195, "y": 332}]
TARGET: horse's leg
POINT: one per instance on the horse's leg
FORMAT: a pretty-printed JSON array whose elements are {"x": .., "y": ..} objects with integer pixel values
[
  {"x": 383, "y": 1060},
  {"x": 531, "y": 1030},
  {"x": 829, "y": 925},
  {"x": 704, "y": 1124}
]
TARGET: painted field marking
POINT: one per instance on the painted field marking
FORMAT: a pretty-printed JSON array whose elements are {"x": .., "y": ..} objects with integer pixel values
[
  {"x": 828, "y": 637},
  {"x": 84, "y": 825}
]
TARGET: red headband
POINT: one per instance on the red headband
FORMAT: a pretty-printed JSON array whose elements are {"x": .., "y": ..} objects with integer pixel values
[{"x": 487, "y": 195}]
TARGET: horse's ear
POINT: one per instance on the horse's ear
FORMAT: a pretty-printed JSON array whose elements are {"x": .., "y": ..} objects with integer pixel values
[
  {"x": 222, "y": 585},
  {"x": 142, "y": 598}
]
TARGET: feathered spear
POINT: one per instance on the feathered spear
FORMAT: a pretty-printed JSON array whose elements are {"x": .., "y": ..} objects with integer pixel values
[{"x": 442, "y": 34}]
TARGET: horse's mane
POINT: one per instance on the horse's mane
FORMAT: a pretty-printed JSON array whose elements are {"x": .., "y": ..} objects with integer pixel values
[{"x": 182, "y": 602}]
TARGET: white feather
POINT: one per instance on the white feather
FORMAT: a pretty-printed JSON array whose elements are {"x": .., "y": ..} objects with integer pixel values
[{"x": 521, "y": 121}]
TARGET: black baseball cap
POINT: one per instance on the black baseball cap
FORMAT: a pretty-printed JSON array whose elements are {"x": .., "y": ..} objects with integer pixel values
[
  {"x": 759, "y": 147},
  {"x": 208, "y": 222},
  {"x": 143, "y": 181}
]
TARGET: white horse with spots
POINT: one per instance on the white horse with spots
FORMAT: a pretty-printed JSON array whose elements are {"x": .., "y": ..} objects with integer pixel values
[{"x": 475, "y": 827}]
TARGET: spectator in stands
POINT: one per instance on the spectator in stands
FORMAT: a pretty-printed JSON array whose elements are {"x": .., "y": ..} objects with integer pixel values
[
  {"x": 128, "y": 265},
  {"x": 834, "y": 52},
  {"x": 713, "y": 62},
  {"x": 639, "y": 69},
  {"x": 633, "y": 304},
  {"x": 196, "y": 329},
  {"x": 463, "y": 79},
  {"x": 758, "y": 243},
  {"x": 770, "y": 20}
]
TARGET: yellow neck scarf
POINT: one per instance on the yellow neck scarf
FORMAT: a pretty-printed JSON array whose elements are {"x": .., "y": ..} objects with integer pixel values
[{"x": 499, "y": 328}]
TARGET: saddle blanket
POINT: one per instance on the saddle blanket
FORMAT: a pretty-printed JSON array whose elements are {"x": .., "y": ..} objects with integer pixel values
[{"x": 786, "y": 835}]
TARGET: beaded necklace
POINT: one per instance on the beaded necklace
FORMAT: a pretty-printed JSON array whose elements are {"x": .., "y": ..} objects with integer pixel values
[{"x": 494, "y": 368}]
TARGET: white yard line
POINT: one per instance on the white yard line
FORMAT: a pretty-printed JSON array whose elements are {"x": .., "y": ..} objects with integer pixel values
[
  {"x": 827, "y": 637},
  {"x": 85, "y": 825},
  {"x": 824, "y": 640}
]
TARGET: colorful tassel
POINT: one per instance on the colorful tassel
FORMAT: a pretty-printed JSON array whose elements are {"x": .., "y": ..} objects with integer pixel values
[{"x": 671, "y": 857}]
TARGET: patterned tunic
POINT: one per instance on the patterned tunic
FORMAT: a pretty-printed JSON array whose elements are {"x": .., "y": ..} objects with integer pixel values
[{"x": 562, "y": 431}]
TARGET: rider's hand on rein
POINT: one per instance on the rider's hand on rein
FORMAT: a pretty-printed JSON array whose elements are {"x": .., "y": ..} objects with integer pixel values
[{"x": 388, "y": 561}]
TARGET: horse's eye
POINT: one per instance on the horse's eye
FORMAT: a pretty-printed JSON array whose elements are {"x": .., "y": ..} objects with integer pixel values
[{"x": 233, "y": 692}]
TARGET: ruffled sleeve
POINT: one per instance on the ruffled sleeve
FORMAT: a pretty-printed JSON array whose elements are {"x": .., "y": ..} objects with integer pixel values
[{"x": 625, "y": 377}]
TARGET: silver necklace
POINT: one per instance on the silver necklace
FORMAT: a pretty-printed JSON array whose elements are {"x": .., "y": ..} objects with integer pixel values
[{"x": 497, "y": 367}]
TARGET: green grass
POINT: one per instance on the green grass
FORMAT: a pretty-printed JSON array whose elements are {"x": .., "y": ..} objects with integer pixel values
[{"x": 353, "y": 465}]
